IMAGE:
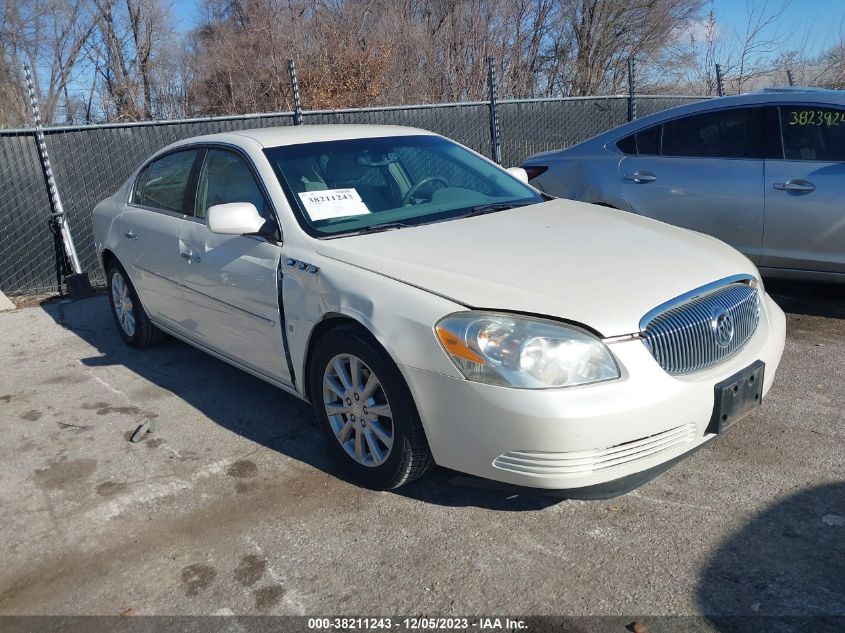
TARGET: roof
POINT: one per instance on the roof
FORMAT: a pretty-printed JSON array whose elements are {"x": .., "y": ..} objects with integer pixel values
[
  {"x": 296, "y": 134},
  {"x": 797, "y": 90},
  {"x": 813, "y": 97}
]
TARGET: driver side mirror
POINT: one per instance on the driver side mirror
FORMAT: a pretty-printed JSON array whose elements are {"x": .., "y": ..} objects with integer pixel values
[
  {"x": 519, "y": 173},
  {"x": 234, "y": 218}
]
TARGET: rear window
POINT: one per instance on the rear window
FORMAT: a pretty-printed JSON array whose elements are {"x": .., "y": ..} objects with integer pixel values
[
  {"x": 628, "y": 145},
  {"x": 722, "y": 134},
  {"x": 643, "y": 143}
]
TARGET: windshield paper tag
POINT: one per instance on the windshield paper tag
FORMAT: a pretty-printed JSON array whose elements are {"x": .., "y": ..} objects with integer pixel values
[{"x": 333, "y": 203}]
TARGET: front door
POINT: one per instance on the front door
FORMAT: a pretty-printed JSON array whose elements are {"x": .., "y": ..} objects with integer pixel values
[
  {"x": 805, "y": 192},
  {"x": 231, "y": 281},
  {"x": 702, "y": 172},
  {"x": 150, "y": 227}
]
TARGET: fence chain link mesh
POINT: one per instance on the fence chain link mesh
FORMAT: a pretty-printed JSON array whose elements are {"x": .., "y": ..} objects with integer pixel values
[{"x": 91, "y": 162}]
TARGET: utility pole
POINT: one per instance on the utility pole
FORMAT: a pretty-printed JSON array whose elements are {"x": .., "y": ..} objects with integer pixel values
[
  {"x": 493, "y": 86},
  {"x": 294, "y": 86},
  {"x": 77, "y": 282}
]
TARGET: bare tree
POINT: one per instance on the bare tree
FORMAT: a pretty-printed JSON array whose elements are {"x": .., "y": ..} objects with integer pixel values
[
  {"x": 756, "y": 44},
  {"x": 123, "y": 59},
  {"x": 131, "y": 34},
  {"x": 598, "y": 36},
  {"x": 12, "y": 99},
  {"x": 750, "y": 56},
  {"x": 51, "y": 37}
]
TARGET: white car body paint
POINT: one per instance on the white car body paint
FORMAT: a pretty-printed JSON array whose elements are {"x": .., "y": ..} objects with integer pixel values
[{"x": 607, "y": 268}]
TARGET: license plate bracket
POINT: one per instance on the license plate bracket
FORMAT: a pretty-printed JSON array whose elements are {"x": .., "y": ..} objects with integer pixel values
[{"x": 736, "y": 397}]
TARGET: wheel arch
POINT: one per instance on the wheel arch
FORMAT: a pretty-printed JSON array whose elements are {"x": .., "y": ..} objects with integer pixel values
[
  {"x": 329, "y": 322},
  {"x": 107, "y": 258}
]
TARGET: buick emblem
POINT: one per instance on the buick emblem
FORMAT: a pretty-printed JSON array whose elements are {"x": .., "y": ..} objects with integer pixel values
[{"x": 723, "y": 327}]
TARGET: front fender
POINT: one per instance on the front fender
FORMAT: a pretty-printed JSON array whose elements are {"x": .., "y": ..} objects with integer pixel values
[{"x": 401, "y": 317}]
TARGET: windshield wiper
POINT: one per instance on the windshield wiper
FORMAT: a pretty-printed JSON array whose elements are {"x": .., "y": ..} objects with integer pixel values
[
  {"x": 477, "y": 210},
  {"x": 490, "y": 208},
  {"x": 378, "y": 228}
]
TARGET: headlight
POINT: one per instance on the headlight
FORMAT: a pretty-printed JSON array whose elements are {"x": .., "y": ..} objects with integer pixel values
[{"x": 524, "y": 352}]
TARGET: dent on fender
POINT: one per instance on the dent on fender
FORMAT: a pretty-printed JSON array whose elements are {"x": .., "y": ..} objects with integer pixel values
[{"x": 403, "y": 326}]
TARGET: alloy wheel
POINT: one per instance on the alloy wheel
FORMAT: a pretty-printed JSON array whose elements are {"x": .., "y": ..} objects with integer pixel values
[
  {"x": 358, "y": 410},
  {"x": 123, "y": 306}
]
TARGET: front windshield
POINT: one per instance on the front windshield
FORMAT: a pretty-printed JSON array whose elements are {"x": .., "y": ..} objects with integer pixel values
[{"x": 369, "y": 184}]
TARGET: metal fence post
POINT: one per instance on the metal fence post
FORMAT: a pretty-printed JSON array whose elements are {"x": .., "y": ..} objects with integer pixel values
[
  {"x": 719, "y": 87},
  {"x": 495, "y": 141},
  {"x": 632, "y": 89},
  {"x": 294, "y": 86},
  {"x": 78, "y": 283}
]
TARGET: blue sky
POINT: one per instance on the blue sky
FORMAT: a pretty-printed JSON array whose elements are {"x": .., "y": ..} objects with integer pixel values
[
  {"x": 823, "y": 19},
  {"x": 185, "y": 12}
]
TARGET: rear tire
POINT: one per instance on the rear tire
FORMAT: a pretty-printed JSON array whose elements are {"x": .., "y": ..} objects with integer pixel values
[
  {"x": 366, "y": 412},
  {"x": 133, "y": 324}
]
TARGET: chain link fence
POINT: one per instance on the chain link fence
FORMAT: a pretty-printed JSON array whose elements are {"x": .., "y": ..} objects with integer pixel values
[{"x": 91, "y": 162}]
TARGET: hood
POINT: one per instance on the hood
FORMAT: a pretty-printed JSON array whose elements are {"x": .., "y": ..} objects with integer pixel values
[{"x": 593, "y": 265}]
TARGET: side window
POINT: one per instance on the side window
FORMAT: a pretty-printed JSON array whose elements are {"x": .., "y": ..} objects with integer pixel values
[
  {"x": 225, "y": 177},
  {"x": 628, "y": 145},
  {"x": 813, "y": 133},
  {"x": 722, "y": 134},
  {"x": 138, "y": 189},
  {"x": 644, "y": 143},
  {"x": 166, "y": 183}
]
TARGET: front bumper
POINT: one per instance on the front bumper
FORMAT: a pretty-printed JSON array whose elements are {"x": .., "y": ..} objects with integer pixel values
[{"x": 581, "y": 437}]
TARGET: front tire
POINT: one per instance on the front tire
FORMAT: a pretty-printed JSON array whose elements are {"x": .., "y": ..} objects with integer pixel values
[
  {"x": 133, "y": 324},
  {"x": 366, "y": 412}
]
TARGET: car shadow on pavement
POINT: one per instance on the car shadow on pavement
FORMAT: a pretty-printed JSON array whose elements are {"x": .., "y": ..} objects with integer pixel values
[
  {"x": 807, "y": 298},
  {"x": 787, "y": 563},
  {"x": 248, "y": 406}
]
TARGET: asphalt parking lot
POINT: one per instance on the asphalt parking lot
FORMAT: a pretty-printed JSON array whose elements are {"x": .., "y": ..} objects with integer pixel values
[{"x": 231, "y": 507}]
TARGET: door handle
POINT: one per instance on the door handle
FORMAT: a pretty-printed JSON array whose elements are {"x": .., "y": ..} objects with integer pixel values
[
  {"x": 130, "y": 235},
  {"x": 641, "y": 177},
  {"x": 190, "y": 257},
  {"x": 802, "y": 186}
]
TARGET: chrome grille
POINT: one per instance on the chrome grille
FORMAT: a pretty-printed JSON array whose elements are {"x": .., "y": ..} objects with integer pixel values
[{"x": 693, "y": 333}]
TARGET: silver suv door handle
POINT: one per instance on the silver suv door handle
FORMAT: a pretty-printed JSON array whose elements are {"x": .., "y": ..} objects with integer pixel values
[
  {"x": 190, "y": 257},
  {"x": 804, "y": 186},
  {"x": 130, "y": 235},
  {"x": 641, "y": 177}
]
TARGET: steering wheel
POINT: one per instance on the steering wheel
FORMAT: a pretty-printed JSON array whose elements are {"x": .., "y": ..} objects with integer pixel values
[{"x": 425, "y": 181}]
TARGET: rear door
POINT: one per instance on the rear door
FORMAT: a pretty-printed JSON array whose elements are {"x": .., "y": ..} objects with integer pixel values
[
  {"x": 702, "y": 172},
  {"x": 150, "y": 227},
  {"x": 805, "y": 190},
  {"x": 231, "y": 280}
]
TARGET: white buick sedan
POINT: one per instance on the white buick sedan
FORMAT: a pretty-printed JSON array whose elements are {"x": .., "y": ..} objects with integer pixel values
[{"x": 434, "y": 309}]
